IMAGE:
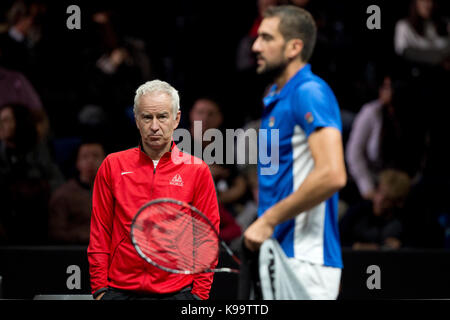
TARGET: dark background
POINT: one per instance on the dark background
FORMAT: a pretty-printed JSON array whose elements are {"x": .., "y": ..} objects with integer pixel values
[{"x": 192, "y": 45}]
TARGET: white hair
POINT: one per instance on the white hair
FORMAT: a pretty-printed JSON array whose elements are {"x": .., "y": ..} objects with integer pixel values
[{"x": 161, "y": 87}]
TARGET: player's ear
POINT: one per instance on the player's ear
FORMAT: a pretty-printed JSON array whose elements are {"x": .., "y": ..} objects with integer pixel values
[
  {"x": 294, "y": 48},
  {"x": 177, "y": 119},
  {"x": 136, "y": 120}
]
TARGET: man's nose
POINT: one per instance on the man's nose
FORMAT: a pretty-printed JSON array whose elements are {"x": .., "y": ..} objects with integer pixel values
[
  {"x": 256, "y": 46},
  {"x": 154, "y": 125}
]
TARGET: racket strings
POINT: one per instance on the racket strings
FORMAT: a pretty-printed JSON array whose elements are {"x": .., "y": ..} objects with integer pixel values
[
  {"x": 176, "y": 237},
  {"x": 203, "y": 246}
]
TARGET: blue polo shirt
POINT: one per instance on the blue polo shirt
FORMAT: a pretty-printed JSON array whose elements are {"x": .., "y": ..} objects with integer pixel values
[{"x": 304, "y": 104}]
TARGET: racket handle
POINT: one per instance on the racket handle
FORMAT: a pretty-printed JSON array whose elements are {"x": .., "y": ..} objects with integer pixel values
[{"x": 236, "y": 259}]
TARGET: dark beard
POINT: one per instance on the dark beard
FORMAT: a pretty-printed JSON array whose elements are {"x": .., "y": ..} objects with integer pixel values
[{"x": 274, "y": 71}]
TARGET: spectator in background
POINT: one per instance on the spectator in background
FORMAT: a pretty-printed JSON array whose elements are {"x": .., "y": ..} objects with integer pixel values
[
  {"x": 71, "y": 204},
  {"x": 377, "y": 223},
  {"x": 229, "y": 228},
  {"x": 230, "y": 185},
  {"x": 245, "y": 56},
  {"x": 18, "y": 44},
  {"x": 363, "y": 147},
  {"x": 389, "y": 132},
  {"x": 27, "y": 177},
  {"x": 208, "y": 113},
  {"x": 247, "y": 146},
  {"x": 116, "y": 63},
  {"x": 16, "y": 89},
  {"x": 421, "y": 37},
  {"x": 248, "y": 214}
]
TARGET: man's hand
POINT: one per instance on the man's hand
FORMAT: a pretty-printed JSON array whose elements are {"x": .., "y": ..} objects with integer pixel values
[{"x": 258, "y": 232}]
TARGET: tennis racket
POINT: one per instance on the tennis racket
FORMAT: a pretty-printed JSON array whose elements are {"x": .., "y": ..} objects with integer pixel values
[{"x": 176, "y": 237}]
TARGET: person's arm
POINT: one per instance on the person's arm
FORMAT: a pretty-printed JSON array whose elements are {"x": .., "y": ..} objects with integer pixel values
[
  {"x": 431, "y": 56},
  {"x": 327, "y": 177},
  {"x": 402, "y": 34},
  {"x": 100, "y": 230},
  {"x": 205, "y": 200},
  {"x": 405, "y": 45},
  {"x": 355, "y": 153}
]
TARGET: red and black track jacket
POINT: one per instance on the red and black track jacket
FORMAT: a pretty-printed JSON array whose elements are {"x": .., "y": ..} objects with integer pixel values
[{"x": 125, "y": 181}]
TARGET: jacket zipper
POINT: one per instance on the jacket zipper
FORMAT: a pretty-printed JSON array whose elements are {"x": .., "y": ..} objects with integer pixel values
[
  {"x": 153, "y": 183},
  {"x": 146, "y": 266}
]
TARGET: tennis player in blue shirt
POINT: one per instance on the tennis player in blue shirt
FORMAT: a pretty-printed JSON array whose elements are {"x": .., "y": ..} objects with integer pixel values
[{"x": 298, "y": 202}]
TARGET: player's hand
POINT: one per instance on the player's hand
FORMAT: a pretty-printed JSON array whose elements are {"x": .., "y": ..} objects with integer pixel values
[{"x": 258, "y": 232}]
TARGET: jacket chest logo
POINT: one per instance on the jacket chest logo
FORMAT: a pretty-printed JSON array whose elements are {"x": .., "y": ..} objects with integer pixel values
[{"x": 177, "y": 181}]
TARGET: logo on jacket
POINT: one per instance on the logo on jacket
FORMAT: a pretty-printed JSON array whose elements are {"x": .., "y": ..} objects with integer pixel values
[
  {"x": 177, "y": 181},
  {"x": 309, "y": 117},
  {"x": 271, "y": 121}
]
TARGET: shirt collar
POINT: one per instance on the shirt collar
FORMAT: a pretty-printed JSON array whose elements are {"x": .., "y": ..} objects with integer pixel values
[{"x": 273, "y": 96}]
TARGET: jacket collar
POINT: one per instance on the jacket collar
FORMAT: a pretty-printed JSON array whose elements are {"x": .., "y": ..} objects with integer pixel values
[{"x": 166, "y": 156}]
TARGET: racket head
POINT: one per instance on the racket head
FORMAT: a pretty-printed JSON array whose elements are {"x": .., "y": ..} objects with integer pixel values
[{"x": 175, "y": 237}]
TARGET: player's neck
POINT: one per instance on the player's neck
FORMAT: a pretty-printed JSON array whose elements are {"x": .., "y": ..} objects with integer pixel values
[{"x": 291, "y": 70}]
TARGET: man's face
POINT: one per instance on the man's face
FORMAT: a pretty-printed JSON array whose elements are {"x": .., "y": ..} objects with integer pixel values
[
  {"x": 269, "y": 47},
  {"x": 208, "y": 113},
  {"x": 155, "y": 120},
  {"x": 7, "y": 124},
  {"x": 90, "y": 157}
]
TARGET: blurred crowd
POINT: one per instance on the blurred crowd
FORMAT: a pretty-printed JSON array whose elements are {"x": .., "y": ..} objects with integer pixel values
[{"x": 66, "y": 100}]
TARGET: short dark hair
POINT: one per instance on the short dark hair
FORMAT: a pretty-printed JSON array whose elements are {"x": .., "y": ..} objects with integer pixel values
[
  {"x": 296, "y": 23},
  {"x": 89, "y": 140}
]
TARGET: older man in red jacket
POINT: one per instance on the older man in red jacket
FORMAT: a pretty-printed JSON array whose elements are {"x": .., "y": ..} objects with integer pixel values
[{"x": 127, "y": 180}]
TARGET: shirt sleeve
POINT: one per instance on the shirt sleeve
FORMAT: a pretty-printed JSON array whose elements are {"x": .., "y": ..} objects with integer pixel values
[
  {"x": 314, "y": 106},
  {"x": 205, "y": 200},
  {"x": 400, "y": 37},
  {"x": 101, "y": 228},
  {"x": 357, "y": 162}
]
